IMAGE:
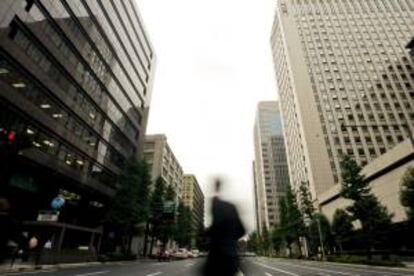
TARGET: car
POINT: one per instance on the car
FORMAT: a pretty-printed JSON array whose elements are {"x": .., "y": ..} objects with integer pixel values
[
  {"x": 195, "y": 253},
  {"x": 203, "y": 254},
  {"x": 163, "y": 255},
  {"x": 181, "y": 253}
]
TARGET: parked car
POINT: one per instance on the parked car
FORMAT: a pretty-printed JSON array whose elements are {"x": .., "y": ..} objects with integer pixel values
[
  {"x": 181, "y": 253},
  {"x": 195, "y": 253},
  {"x": 203, "y": 254},
  {"x": 163, "y": 255}
]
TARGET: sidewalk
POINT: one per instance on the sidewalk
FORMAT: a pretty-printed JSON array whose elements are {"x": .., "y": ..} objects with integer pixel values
[{"x": 6, "y": 268}]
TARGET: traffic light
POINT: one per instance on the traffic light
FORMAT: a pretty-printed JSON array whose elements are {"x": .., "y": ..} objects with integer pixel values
[{"x": 11, "y": 142}]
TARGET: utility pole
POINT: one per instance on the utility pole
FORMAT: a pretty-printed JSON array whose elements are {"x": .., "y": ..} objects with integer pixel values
[{"x": 321, "y": 238}]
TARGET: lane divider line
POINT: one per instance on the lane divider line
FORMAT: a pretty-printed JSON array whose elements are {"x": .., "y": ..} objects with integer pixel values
[
  {"x": 93, "y": 273},
  {"x": 276, "y": 269},
  {"x": 319, "y": 269},
  {"x": 154, "y": 274},
  {"x": 268, "y": 274}
]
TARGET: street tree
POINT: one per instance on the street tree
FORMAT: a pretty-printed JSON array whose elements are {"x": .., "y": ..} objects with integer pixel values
[
  {"x": 254, "y": 243},
  {"x": 366, "y": 208},
  {"x": 266, "y": 241},
  {"x": 130, "y": 205},
  {"x": 292, "y": 225},
  {"x": 320, "y": 233},
  {"x": 167, "y": 224},
  {"x": 342, "y": 227},
  {"x": 277, "y": 239},
  {"x": 296, "y": 222},
  {"x": 183, "y": 228},
  {"x": 407, "y": 193},
  {"x": 306, "y": 203},
  {"x": 156, "y": 208}
]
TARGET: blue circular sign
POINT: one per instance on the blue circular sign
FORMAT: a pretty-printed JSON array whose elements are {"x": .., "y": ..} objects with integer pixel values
[{"x": 58, "y": 202}]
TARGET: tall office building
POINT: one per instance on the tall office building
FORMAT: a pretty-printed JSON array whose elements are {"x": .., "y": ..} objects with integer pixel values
[
  {"x": 163, "y": 163},
  {"x": 75, "y": 77},
  {"x": 271, "y": 178},
  {"x": 193, "y": 198},
  {"x": 345, "y": 83}
]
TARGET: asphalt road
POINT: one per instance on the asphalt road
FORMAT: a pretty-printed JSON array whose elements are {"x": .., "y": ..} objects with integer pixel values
[{"x": 250, "y": 266}]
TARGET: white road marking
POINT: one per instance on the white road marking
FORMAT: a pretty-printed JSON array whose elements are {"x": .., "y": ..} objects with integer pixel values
[
  {"x": 276, "y": 269},
  {"x": 154, "y": 274},
  {"x": 319, "y": 269},
  {"x": 188, "y": 265},
  {"x": 93, "y": 273},
  {"x": 268, "y": 274},
  {"x": 31, "y": 272},
  {"x": 362, "y": 269}
]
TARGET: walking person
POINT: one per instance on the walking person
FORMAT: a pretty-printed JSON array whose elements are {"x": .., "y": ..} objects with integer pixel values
[
  {"x": 10, "y": 231},
  {"x": 224, "y": 234}
]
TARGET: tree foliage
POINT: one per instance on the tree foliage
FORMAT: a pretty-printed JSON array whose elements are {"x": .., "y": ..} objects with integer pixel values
[
  {"x": 183, "y": 229},
  {"x": 157, "y": 198},
  {"x": 255, "y": 243},
  {"x": 277, "y": 239},
  {"x": 366, "y": 208},
  {"x": 130, "y": 205},
  {"x": 320, "y": 229},
  {"x": 354, "y": 186},
  {"x": 266, "y": 241},
  {"x": 341, "y": 227},
  {"x": 166, "y": 225},
  {"x": 306, "y": 203},
  {"x": 292, "y": 225},
  {"x": 407, "y": 192}
]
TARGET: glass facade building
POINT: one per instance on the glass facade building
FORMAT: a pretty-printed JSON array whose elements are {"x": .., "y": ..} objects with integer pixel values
[
  {"x": 75, "y": 76},
  {"x": 271, "y": 177}
]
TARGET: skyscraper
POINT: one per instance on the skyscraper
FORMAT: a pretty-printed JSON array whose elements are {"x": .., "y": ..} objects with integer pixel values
[
  {"x": 76, "y": 78},
  {"x": 345, "y": 83},
  {"x": 271, "y": 177}
]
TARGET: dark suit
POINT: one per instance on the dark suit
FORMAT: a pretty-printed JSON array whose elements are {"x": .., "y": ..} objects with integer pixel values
[{"x": 224, "y": 233}]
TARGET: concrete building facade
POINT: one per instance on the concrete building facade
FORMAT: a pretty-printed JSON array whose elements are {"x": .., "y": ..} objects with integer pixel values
[
  {"x": 163, "y": 162},
  {"x": 384, "y": 175},
  {"x": 271, "y": 177},
  {"x": 193, "y": 198},
  {"x": 345, "y": 83}
]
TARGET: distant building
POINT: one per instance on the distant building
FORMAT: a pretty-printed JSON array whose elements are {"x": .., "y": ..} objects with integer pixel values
[
  {"x": 345, "y": 83},
  {"x": 163, "y": 162},
  {"x": 271, "y": 177},
  {"x": 193, "y": 198}
]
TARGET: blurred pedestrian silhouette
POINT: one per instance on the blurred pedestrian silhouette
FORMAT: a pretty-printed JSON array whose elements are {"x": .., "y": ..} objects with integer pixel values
[
  {"x": 224, "y": 233},
  {"x": 10, "y": 232}
]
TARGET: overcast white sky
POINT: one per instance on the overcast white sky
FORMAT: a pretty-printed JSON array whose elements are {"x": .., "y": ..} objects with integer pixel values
[{"x": 213, "y": 65}]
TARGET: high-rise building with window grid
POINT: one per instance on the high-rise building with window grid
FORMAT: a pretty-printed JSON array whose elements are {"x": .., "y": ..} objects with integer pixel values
[
  {"x": 193, "y": 198},
  {"x": 271, "y": 178},
  {"x": 76, "y": 77},
  {"x": 345, "y": 82}
]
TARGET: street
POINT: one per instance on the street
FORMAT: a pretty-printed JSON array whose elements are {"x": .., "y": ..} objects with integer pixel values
[{"x": 250, "y": 266}]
